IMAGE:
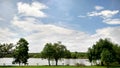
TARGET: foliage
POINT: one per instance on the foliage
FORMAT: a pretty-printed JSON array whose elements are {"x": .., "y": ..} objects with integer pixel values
[
  {"x": 34, "y": 55},
  {"x": 107, "y": 57},
  {"x": 67, "y": 54},
  {"x": 90, "y": 54},
  {"x": 59, "y": 51},
  {"x": 21, "y": 52},
  {"x": 117, "y": 51},
  {"x": 48, "y": 52},
  {"x": 74, "y": 55},
  {"x": 79, "y": 64},
  {"x": 5, "y": 49},
  {"x": 104, "y": 50},
  {"x": 81, "y": 55},
  {"x": 55, "y": 51}
]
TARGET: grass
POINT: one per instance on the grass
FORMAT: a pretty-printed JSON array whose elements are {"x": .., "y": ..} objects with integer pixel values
[{"x": 54, "y": 67}]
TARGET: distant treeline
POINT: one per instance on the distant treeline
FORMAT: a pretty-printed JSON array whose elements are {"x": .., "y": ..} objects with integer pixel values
[{"x": 74, "y": 55}]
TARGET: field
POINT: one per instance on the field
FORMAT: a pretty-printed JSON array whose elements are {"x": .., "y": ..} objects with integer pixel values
[{"x": 53, "y": 67}]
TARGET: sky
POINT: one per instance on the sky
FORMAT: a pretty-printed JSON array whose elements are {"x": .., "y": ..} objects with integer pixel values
[{"x": 78, "y": 24}]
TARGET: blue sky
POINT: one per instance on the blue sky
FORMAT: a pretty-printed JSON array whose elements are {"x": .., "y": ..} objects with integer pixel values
[{"x": 78, "y": 24}]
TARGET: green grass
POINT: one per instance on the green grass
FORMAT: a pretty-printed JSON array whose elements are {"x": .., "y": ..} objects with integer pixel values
[{"x": 54, "y": 67}]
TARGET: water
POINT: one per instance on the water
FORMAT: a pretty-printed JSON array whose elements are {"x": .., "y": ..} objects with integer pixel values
[{"x": 39, "y": 61}]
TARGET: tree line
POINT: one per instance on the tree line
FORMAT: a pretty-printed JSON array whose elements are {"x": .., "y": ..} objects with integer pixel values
[
  {"x": 19, "y": 52},
  {"x": 103, "y": 50}
]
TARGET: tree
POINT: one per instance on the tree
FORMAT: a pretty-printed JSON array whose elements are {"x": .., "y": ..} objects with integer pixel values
[
  {"x": 67, "y": 54},
  {"x": 5, "y": 49},
  {"x": 21, "y": 52},
  {"x": 54, "y": 51},
  {"x": 107, "y": 57},
  {"x": 90, "y": 55},
  {"x": 59, "y": 51},
  {"x": 117, "y": 51},
  {"x": 94, "y": 53},
  {"x": 47, "y": 52}
]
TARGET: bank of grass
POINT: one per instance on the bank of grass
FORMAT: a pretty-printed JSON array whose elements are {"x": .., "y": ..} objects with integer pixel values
[{"x": 54, "y": 67}]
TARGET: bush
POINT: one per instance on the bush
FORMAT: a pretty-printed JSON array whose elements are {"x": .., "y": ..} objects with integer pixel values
[
  {"x": 79, "y": 64},
  {"x": 67, "y": 64}
]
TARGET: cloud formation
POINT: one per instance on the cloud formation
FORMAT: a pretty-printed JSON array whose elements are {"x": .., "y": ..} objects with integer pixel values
[
  {"x": 6, "y": 35},
  {"x": 104, "y": 13},
  {"x": 25, "y": 24},
  {"x": 112, "y": 21},
  {"x": 44, "y": 33},
  {"x": 72, "y": 39},
  {"x": 109, "y": 32},
  {"x": 38, "y": 34},
  {"x": 33, "y": 9}
]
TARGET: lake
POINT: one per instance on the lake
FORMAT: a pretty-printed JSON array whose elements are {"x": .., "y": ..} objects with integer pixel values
[{"x": 39, "y": 61}]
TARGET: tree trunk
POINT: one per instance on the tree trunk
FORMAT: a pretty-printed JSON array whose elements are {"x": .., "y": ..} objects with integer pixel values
[
  {"x": 19, "y": 63},
  {"x": 102, "y": 63},
  {"x": 49, "y": 61},
  {"x": 56, "y": 61},
  {"x": 107, "y": 65},
  {"x": 25, "y": 64},
  {"x": 91, "y": 63}
]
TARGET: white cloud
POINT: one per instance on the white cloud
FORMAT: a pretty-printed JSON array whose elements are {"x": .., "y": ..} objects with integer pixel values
[
  {"x": 6, "y": 35},
  {"x": 104, "y": 13},
  {"x": 5, "y": 32},
  {"x": 99, "y": 7},
  {"x": 109, "y": 32},
  {"x": 43, "y": 33},
  {"x": 72, "y": 39},
  {"x": 112, "y": 21},
  {"x": 38, "y": 34},
  {"x": 33, "y": 9},
  {"x": 25, "y": 24}
]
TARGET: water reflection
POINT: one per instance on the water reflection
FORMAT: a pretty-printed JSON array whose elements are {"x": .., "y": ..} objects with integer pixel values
[{"x": 39, "y": 61}]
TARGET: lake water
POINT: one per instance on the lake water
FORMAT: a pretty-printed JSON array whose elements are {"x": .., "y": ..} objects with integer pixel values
[{"x": 39, "y": 61}]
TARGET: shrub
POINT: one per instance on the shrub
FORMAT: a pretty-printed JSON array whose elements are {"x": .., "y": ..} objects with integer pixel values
[{"x": 79, "y": 64}]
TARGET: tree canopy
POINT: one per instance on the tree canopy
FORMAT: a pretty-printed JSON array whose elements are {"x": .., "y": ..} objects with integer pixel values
[
  {"x": 21, "y": 52},
  {"x": 5, "y": 49},
  {"x": 48, "y": 52},
  {"x": 104, "y": 50},
  {"x": 54, "y": 51}
]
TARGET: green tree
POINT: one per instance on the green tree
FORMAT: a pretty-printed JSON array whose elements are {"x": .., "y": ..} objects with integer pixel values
[
  {"x": 117, "y": 51},
  {"x": 59, "y": 51},
  {"x": 90, "y": 55},
  {"x": 5, "y": 49},
  {"x": 75, "y": 55},
  {"x": 107, "y": 57},
  {"x": 47, "y": 52},
  {"x": 21, "y": 52},
  {"x": 67, "y": 54},
  {"x": 94, "y": 53},
  {"x": 54, "y": 51}
]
